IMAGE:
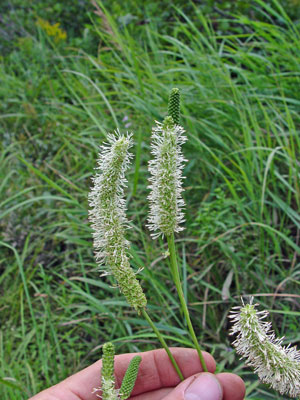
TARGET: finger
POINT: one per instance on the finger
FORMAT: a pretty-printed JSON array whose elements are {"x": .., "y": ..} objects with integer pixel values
[
  {"x": 204, "y": 386},
  {"x": 233, "y": 386},
  {"x": 155, "y": 372},
  {"x": 158, "y": 394}
]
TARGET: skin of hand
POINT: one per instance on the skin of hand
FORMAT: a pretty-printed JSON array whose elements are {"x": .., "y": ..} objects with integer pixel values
[{"x": 157, "y": 379}]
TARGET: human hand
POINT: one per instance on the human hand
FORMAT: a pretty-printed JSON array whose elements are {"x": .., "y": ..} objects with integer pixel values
[{"x": 157, "y": 379}]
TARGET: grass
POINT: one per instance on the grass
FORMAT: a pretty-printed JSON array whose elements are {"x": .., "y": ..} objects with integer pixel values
[{"x": 240, "y": 110}]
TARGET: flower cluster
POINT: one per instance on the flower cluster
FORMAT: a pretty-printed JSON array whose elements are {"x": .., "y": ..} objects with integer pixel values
[
  {"x": 276, "y": 365},
  {"x": 55, "y": 31},
  {"x": 166, "y": 202},
  {"x": 108, "y": 218},
  {"x": 107, "y": 373},
  {"x": 130, "y": 378},
  {"x": 109, "y": 392}
]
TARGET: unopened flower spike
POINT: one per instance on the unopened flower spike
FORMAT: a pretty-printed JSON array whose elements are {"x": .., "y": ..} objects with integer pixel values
[
  {"x": 130, "y": 378},
  {"x": 107, "y": 373},
  {"x": 108, "y": 218},
  {"x": 174, "y": 105},
  {"x": 275, "y": 365},
  {"x": 109, "y": 392},
  {"x": 165, "y": 198}
]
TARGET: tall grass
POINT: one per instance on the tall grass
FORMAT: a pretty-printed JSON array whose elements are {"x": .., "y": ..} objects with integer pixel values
[{"x": 240, "y": 110}]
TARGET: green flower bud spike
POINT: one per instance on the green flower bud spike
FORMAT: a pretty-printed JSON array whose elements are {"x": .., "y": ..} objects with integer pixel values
[
  {"x": 130, "y": 378},
  {"x": 107, "y": 373},
  {"x": 108, "y": 378},
  {"x": 174, "y": 105}
]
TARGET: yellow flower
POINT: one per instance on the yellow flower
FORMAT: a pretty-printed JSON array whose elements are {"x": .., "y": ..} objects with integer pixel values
[{"x": 53, "y": 31}]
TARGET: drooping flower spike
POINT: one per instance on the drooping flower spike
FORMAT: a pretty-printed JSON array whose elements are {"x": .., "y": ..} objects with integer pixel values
[
  {"x": 275, "y": 365},
  {"x": 108, "y": 218},
  {"x": 165, "y": 198},
  {"x": 109, "y": 222}
]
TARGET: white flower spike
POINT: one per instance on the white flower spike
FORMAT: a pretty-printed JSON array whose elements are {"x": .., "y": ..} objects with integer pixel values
[
  {"x": 275, "y": 365},
  {"x": 108, "y": 218},
  {"x": 166, "y": 202}
]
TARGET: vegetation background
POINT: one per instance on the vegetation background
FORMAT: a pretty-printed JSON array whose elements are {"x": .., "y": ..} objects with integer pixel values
[{"x": 71, "y": 72}]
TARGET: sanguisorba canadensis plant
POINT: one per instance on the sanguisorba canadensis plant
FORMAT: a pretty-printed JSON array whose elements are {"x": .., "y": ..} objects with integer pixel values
[
  {"x": 275, "y": 365},
  {"x": 166, "y": 203},
  {"x": 109, "y": 223},
  {"x": 108, "y": 217}
]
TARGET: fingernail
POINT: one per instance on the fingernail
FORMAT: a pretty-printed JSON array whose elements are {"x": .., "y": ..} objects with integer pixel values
[{"x": 204, "y": 387}]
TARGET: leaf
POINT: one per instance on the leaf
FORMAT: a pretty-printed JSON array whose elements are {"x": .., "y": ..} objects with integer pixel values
[{"x": 226, "y": 286}]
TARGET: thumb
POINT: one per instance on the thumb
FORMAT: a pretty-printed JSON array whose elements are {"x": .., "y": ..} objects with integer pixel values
[{"x": 203, "y": 386}]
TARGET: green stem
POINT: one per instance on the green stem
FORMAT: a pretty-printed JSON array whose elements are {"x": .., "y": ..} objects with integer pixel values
[
  {"x": 176, "y": 277},
  {"x": 163, "y": 343}
]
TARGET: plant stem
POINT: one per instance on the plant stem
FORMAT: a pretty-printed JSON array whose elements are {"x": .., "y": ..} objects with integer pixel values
[
  {"x": 163, "y": 343},
  {"x": 176, "y": 277}
]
